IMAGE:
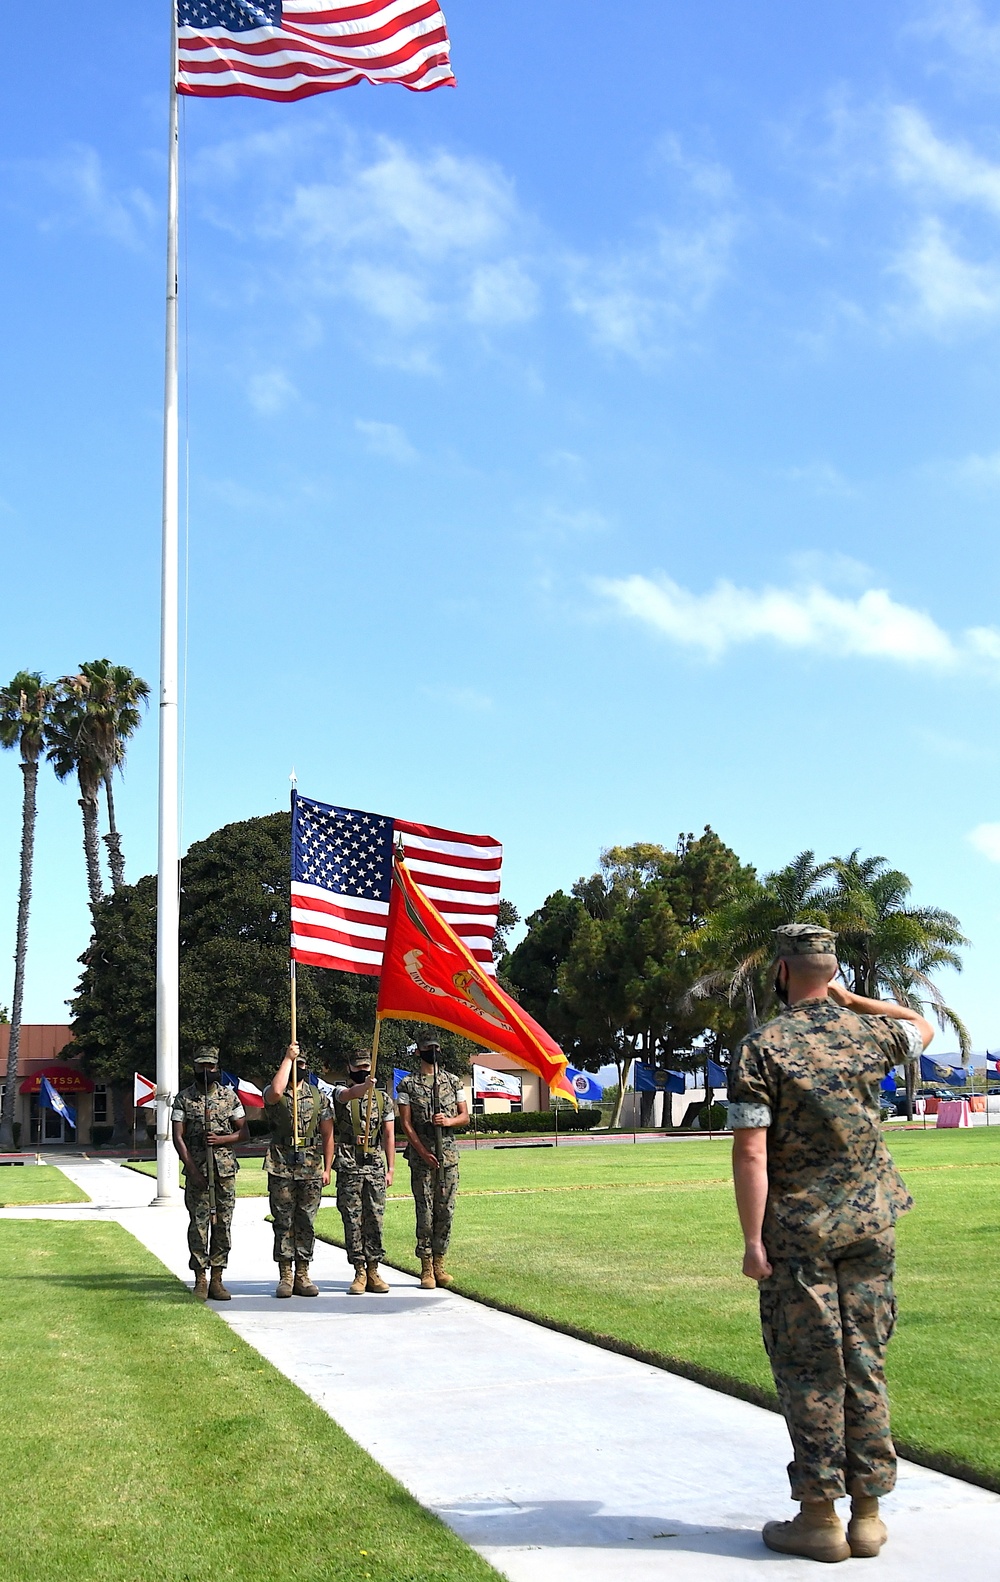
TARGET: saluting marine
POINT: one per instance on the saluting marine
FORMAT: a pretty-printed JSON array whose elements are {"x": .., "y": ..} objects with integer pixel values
[
  {"x": 296, "y": 1176},
  {"x": 363, "y": 1115},
  {"x": 431, "y": 1105},
  {"x": 207, "y": 1119},
  {"x": 818, "y": 1196}
]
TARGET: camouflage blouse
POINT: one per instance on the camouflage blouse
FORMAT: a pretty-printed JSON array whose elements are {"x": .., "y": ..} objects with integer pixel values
[
  {"x": 225, "y": 1114},
  {"x": 812, "y": 1078},
  {"x": 344, "y": 1117},
  {"x": 314, "y": 1106},
  {"x": 417, "y": 1092}
]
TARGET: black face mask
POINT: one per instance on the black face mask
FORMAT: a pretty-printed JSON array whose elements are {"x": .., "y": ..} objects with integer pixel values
[
  {"x": 781, "y": 989},
  {"x": 359, "y": 1076}
]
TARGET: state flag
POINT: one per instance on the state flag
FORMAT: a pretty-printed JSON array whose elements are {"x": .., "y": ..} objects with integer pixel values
[
  {"x": 251, "y": 1095},
  {"x": 143, "y": 1091}
]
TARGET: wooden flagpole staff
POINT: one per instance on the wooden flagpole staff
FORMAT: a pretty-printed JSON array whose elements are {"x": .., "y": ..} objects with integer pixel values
[{"x": 294, "y": 1016}]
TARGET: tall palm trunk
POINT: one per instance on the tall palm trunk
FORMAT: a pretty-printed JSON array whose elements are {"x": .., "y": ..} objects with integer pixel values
[
  {"x": 30, "y": 772},
  {"x": 113, "y": 840},
  {"x": 92, "y": 848}
]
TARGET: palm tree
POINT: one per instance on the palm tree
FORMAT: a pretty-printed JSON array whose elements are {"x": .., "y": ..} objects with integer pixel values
[
  {"x": 114, "y": 693},
  {"x": 71, "y": 747},
  {"x": 739, "y": 935},
  {"x": 890, "y": 949},
  {"x": 24, "y": 707}
]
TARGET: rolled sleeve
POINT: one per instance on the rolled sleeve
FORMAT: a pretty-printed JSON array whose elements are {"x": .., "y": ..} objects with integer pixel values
[
  {"x": 239, "y": 1114},
  {"x": 749, "y": 1117},
  {"x": 750, "y": 1097}
]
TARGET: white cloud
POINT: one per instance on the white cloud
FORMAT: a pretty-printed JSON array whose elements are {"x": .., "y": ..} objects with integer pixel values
[
  {"x": 820, "y": 477},
  {"x": 502, "y": 293},
  {"x": 984, "y": 471},
  {"x": 950, "y": 171},
  {"x": 434, "y": 207},
  {"x": 947, "y": 290},
  {"x": 635, "y": 303},
  {"x": 986, "y": 839},
  {"x": 270, "y": 392},
  {"x": 396, "y": 296},
  {"x": 386, "y": 440},
  {"x": 89, "y": 197},
  {"x": 704, "y": 177},
  {"x": 465, "y": 698},
  {"x": 963, "y": 27},
  {"x": 826, "y": 566},
  {"x": 806, "y": 617}
]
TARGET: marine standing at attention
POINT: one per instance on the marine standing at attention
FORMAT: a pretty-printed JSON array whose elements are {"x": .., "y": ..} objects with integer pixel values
[
  {"x": 363, "y": 1174},
  {"x": 818, "y": 1196},
  {"x": 207, "y": 1119},
  {"x": 296, "y": 1176},
  {"x": 431, "y": 1105}
]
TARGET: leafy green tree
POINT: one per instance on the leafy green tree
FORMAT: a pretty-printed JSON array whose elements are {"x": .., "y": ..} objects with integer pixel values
[
  {"x": 24, "y": 709},
  {"x": 532, "y": 968},
  {"x": 606, "y": 968}
]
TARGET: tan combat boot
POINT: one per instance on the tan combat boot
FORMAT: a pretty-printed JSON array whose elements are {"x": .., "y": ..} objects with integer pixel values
[
  {"x": 216, "y": 1290},
  {"x": 816, "y": 1533},
  {"x": 359, "y": 1284},
  {"x": 375, "y": 1281},
  {"x": 866, "y": 1532},
  {"x": 427, "y": 1280},
  {"x": 201, "y": 1285},
  {"x": 303, "y": 1286},
  {"x": 441, "y": 1275},
  {"x": 284, "y": 1285}
]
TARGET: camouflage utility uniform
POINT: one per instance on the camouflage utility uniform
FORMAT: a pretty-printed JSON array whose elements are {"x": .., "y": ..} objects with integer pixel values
[
  {"x": 434, "y": 1191},
  {"x": 361, "y": 1178},
  {"x": 295, "y": 1187},
  {"x": 209, "y": 1244},
  {"x": 828, "y": 1310}
]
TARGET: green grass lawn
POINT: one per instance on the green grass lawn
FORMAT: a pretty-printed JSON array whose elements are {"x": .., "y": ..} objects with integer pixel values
[
  {"x": 26, "y": 1184},
  {"x": 642, "y": 1244},
  {"x": 142, "y": 1438}
]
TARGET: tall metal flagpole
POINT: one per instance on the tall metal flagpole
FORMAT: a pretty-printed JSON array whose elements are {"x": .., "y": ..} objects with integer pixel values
[{"x": 168, "y": 874}]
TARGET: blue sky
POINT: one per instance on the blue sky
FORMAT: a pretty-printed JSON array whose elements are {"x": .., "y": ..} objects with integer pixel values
[{"x": 608, "y": 447}]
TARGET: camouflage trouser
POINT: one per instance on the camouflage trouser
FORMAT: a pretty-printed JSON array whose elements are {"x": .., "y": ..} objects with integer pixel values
[
  {"x": 361, "y": 1201},
  {"x": 827, "y": 1321},
  {"x": 209, "y": 1244},
  {"x": 293, "y": 1209},
  {"x": 434, "y": 1193}
]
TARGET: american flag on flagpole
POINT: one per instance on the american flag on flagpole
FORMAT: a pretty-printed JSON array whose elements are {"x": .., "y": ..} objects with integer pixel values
[
  {"x": 342, "y": 878},
  {"x": 289, "y": 49}
]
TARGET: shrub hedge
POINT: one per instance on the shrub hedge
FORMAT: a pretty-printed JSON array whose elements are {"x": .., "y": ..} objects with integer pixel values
[{"x": 536, "y": 1121}]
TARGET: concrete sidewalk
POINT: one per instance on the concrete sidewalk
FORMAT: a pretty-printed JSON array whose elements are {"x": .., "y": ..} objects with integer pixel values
[{"x": 553, "y": 1458}]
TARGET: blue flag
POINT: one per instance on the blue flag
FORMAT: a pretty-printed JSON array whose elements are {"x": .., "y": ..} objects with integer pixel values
[
  {"x": 934, "y": 1071},
  {"x": 649, "y": 1079},
  {"x": 52, "y": 1100},
  {"x": 888, "y": 1083},
  {"x": 584, "y": 1085},
  {"x": 397, "y": 1077},
  {"x": 717, "y": 1077}
]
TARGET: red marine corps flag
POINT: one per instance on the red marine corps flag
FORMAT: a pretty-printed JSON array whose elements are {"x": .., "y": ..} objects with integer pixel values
[{"x": 428, "y": 975}]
